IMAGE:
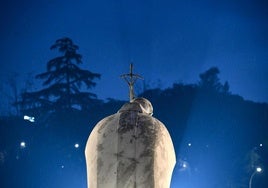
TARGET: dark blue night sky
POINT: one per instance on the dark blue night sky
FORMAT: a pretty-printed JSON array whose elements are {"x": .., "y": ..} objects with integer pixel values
[{"x": 168, "y": 41}]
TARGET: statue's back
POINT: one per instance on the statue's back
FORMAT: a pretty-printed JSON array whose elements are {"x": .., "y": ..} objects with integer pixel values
[{"x": 130, "y": 149}]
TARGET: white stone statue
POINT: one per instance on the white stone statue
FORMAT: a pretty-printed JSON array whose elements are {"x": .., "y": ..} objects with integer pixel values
[{"x": 130, "y": 149}]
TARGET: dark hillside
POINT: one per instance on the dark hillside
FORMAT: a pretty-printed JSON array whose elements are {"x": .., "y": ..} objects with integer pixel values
[{"x": 221, "y": 137}]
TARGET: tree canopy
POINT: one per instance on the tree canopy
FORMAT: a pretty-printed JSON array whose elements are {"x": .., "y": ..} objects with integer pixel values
[
  {"x": 210, "y": 81},
  {"x": 65, "y": 83}
]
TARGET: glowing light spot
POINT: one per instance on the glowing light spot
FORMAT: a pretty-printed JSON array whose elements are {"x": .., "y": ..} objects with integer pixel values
[
  {"x": 260, "y": 145},
  {"x": 190, "y": 144},
  {"x": 62, "y": 166},
  {"x": 184, "y": 165},
  {"x": 76, "y": 145},
  {"x": 22, "y": 144},
  {"x": 258, "y": 169},
  {"x": 28, "y": 118}
]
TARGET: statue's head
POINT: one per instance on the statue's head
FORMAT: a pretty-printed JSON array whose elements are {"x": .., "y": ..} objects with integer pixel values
[
  {"x": 145, "y": 105},
  {"x": 140, "y": 105}
]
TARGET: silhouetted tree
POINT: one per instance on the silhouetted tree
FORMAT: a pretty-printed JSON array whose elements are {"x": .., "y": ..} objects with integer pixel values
[
  {"x": 64, "y": 81},
  {"x": 226, "y": 87},
  {"x": 210, "y": 81},
  {"x": 13, "y": 90},
  {"x": 12, "y": 80}
]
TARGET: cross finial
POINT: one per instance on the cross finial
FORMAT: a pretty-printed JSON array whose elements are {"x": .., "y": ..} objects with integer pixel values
[{"x": 131, "y": 78}]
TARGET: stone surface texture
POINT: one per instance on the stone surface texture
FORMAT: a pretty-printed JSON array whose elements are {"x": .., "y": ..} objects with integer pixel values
[{"x": 130, "y": 149}]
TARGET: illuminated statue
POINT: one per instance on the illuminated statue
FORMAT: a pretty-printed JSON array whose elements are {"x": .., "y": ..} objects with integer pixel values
[{"x": 130, "y": 149}]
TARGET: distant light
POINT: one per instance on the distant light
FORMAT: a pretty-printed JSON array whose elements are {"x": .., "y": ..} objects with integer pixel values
[
  {"x": 184, "y": 165},
  {"x": 258, "y": 169},
  {"x": 76, "y": 145},
  {"x": 28, "y": 118},
  {"x": 22, "y": 144},
  {"x": 190, "y": 144},
  {"x": 62, "y": 166},
  {"x": 260, "y": 145}
]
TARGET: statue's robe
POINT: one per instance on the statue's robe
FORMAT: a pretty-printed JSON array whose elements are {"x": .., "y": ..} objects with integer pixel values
[{"x": 130, "y": 149}]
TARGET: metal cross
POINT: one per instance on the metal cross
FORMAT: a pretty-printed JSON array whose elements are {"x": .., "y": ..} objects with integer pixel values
[{"x": 131, "y": 78}]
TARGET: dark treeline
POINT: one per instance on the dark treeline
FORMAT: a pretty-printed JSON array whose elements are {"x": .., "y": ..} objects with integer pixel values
[
  {"x": 225, "y": 132},
  {"x": 228, "y": 135},
  {"x": 220, "y": 136}
]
